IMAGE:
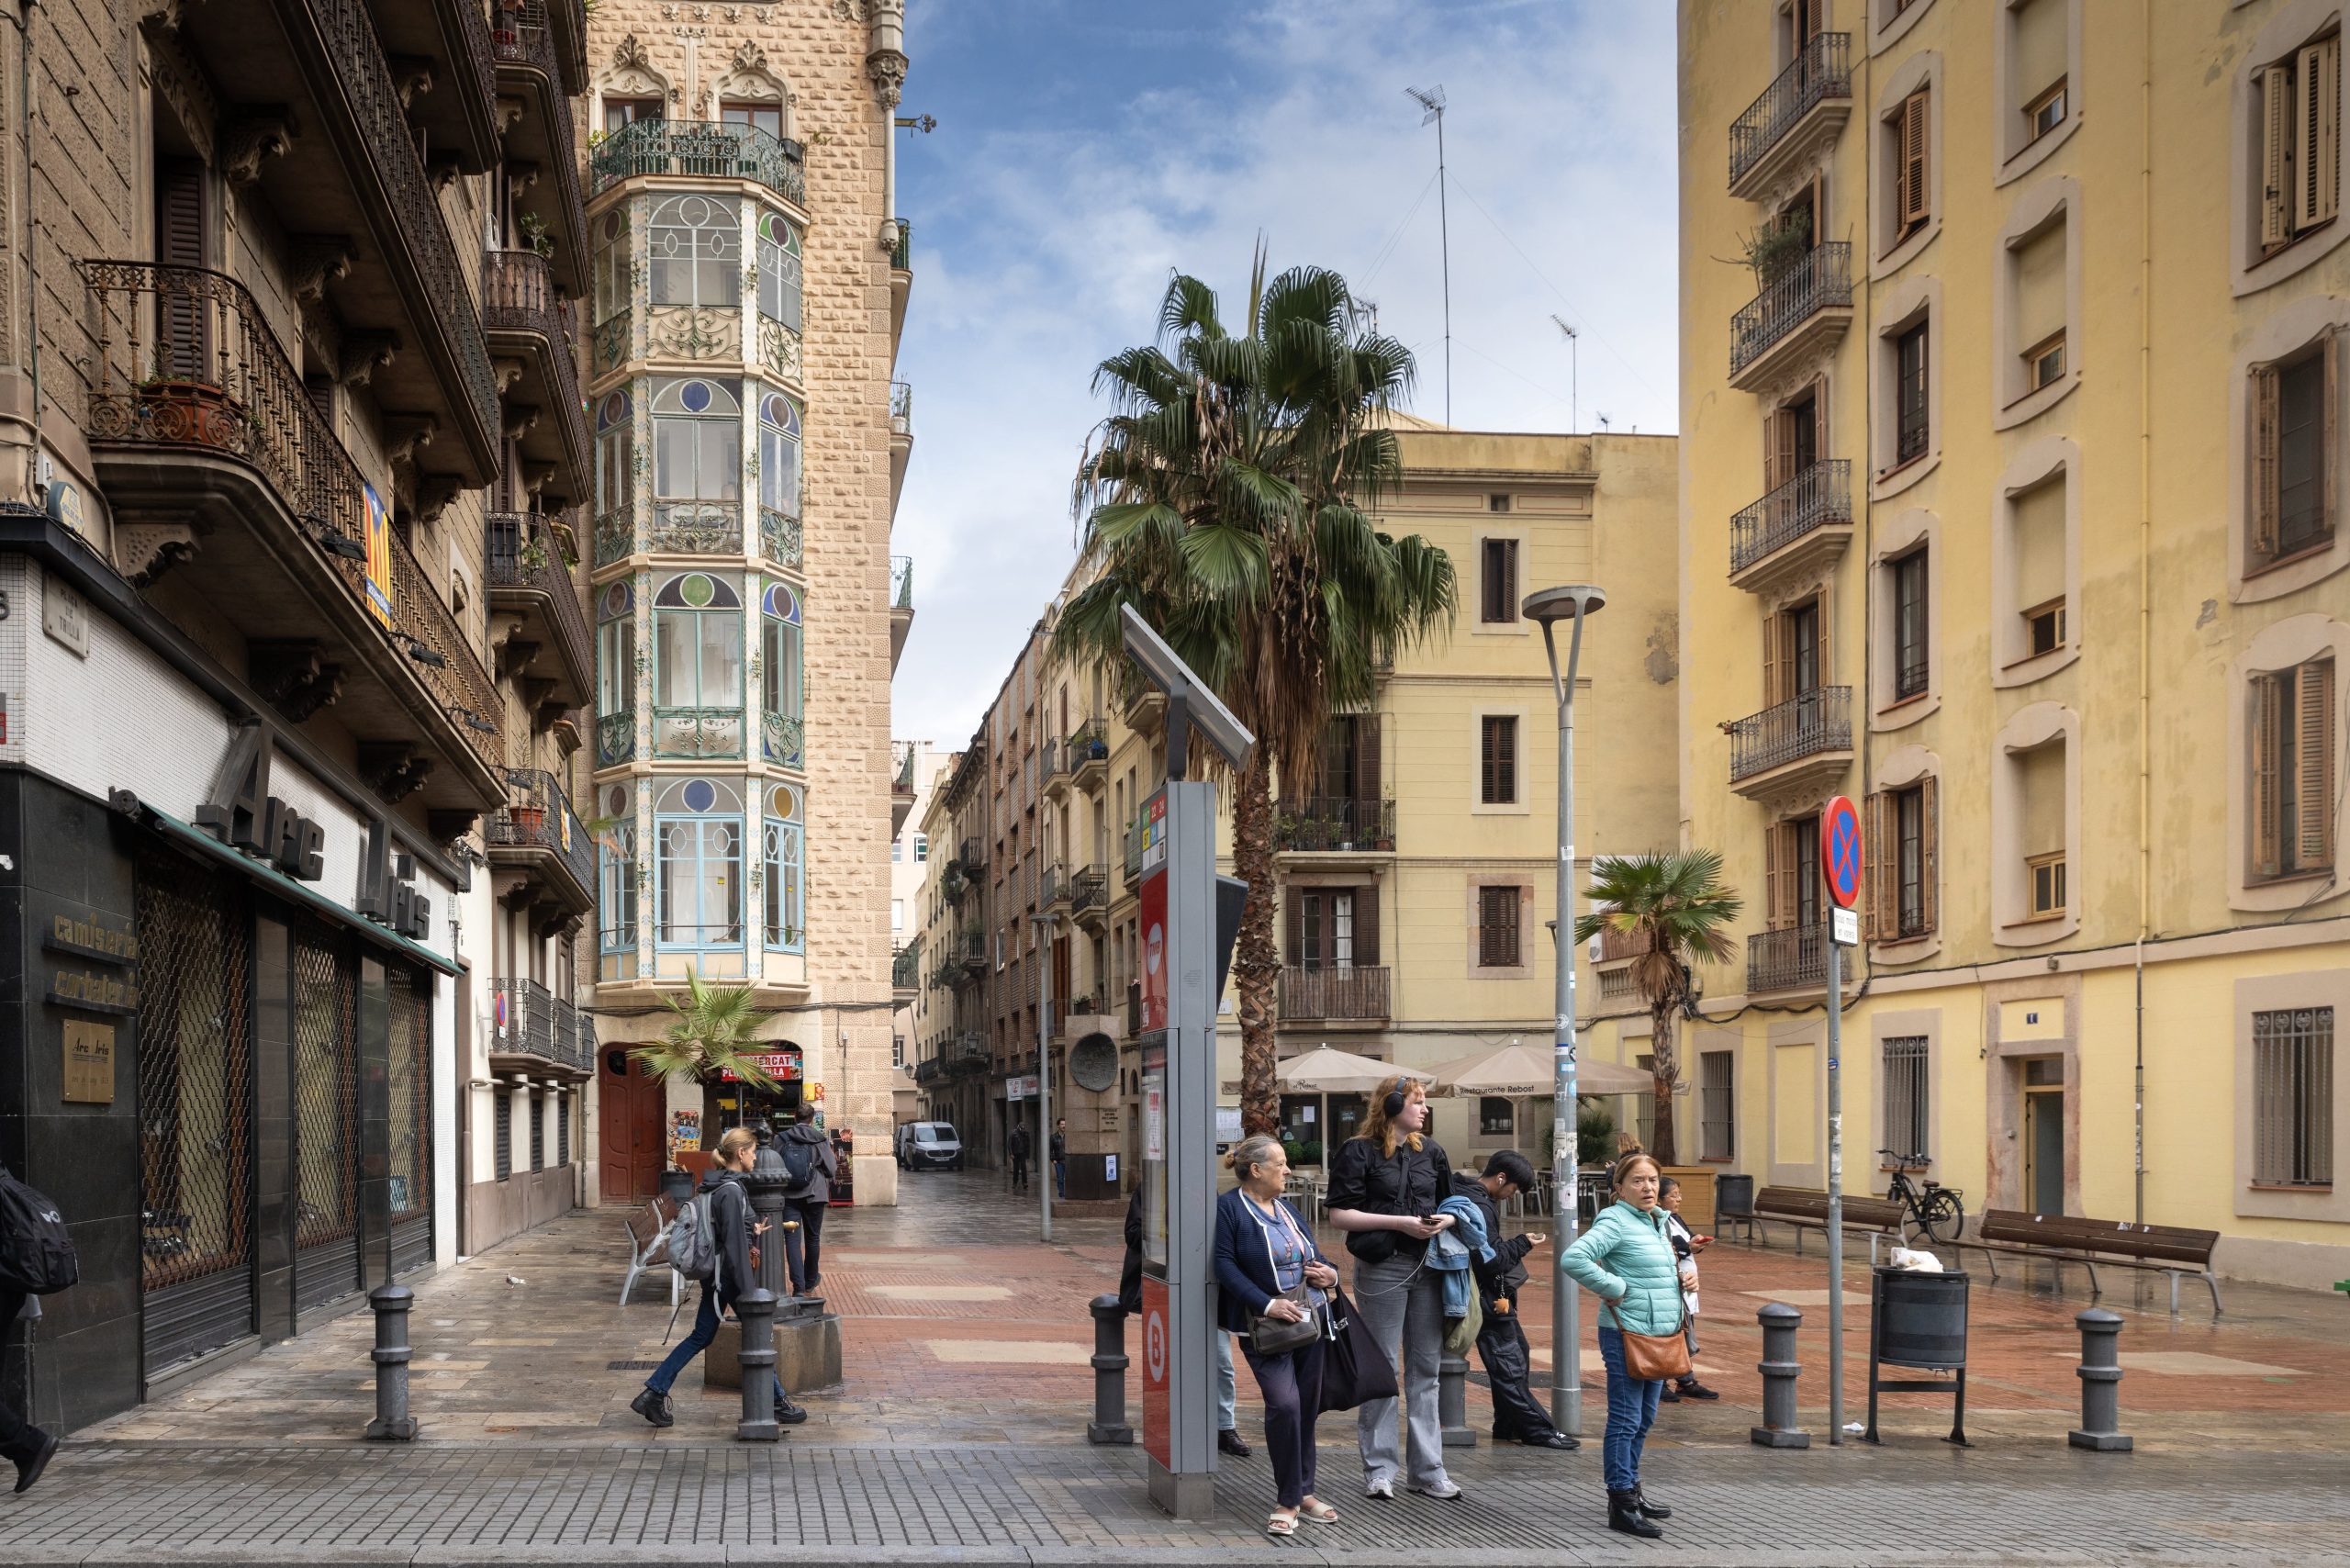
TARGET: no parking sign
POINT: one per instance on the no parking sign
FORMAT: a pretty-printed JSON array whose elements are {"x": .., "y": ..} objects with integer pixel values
[{"x": 1840, "y": 851}]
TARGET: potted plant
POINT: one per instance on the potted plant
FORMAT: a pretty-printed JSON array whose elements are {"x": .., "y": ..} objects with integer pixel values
[
  {"x": 191, "y": 410},
  {"x": 533, "y": 555},
  {"x": 534, "y": 235}
]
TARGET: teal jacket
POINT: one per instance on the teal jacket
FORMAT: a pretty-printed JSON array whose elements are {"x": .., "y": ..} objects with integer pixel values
[{"x": 1624, "y": 1260}]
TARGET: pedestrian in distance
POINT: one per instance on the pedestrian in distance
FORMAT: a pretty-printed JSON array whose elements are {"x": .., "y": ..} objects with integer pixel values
[
  {"x": 1626, "y": 1260},
  {"x": 1686, "y": 1245},
  {"x": 1058, "y": 1147},
  {"x": 810, "y": 1165},
  {"x": 1500, "y": 1342},
  {"x": 1228, "y": 1389},
  {"x": 724, "y": 1207},
  {"x": 1384, "y": 1188},
  {"x": 1016, "y": 1149},
  {"x": 1268, "y": 1269}
]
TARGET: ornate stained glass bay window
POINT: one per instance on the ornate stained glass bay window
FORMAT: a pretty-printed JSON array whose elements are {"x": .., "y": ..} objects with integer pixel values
[
  {"x": 696, "y": 245},
  {"x": 696, "y": 466},
  {"x": 780, "y": 276},
  {"x": 615, "y": 476},
  {"x": 615, "y": 674},
  {"x": 783, "y": 853},
  {"x": 698, "y": 874},
  {"x": 616, "y": 886},
  {"x": 779, "y": 454},
  {"x": 697, "y": 667},
  {"x": 781, "y": 677}
]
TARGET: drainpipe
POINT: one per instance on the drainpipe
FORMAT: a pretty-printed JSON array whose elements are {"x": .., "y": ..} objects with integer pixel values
[
  {"x": 23, "y": 20},
  {"x": 885, "y": 67},
  {"x": 2146, "y": 602}
]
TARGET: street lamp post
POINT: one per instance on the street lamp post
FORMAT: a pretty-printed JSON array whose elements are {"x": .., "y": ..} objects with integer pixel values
[{"x": 1576, "y": 603}]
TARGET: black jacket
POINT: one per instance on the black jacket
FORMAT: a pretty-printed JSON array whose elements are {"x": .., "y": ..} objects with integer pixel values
[
  {"x": 1130, "y": 1275},
  {"x": 826, "y": 1163},
  {"x": 1502, "y": 1279},
  {"x": 1016, "y": 1146},
  {"x": 729, "y": 1225},
  {"x": 1409, "y": 1181},
  {"x": 1059, "y": 1145}
]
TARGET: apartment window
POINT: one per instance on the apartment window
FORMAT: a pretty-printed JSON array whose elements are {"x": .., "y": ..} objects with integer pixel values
[
  {"x": 783, "y": 846},
  {"x": 1497, "y": 503},
  {"x": 2036, "y": 277},
  {"x": 2046, "y": 112},
  {"x": 897, "y": 915},
  {"x": 621, "y": 113},
  {"x": 782, "y": 678},
  {"x": 697, "y": 251},
  {"x": 1791, "y": 874},
  {"x": 2293, "y": 783},
  {"x": 1909, "y": 434},
  {"x": 2046, "y": 872},
  {"x": 779, "y": 270},
  {"x": 2296, "y": 408},
  {"x": 897, "y": 851},
  {"x": 610, "y": 280},
  {"x": 1717, "y": 1106},
  {"x": 768, "y": 118},
  {"x": 697, "y": 438},
  {"x": 896, "y": 1050},
  {"x": 2300, "y": 141},
  {"x": 616, "y": 876},
  {"x": 616, "y": 463},
  {"x": 1497, "y": 928},
  {"x": 2292, "y": 1089},
  {"x": 1497, "y": 1117},
  {"x": 922, "y": 849},
  {"x": 1498, "y": 581},
  {"x": 1902, "y": 828},
  {"x": 1906, "y": 1104},
  {"x": 1794, "y": 653},
  {"x": 1909, "y": 125},
  {"x": 1910, "y": 662},
  {"x": 697, "y": 868},
  {"x": 2038, "y": 560},
  {"x": 1497, "y": 759},
  {"x": 615, "y": 654},
  {"x": 502, "y": 1134},
  {"x": 698, "y": 642},
  {"x": 1333, "y": 928},
  {"x": 2037, "y": 70}
]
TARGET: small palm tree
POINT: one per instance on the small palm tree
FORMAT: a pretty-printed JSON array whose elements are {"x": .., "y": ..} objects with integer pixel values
[
  {"x": 1677, "y": 902},
  {"x": 709, "y": 1036}
]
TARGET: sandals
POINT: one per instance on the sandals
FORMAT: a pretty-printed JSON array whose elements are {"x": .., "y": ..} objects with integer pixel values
[
  {"x": 1318, "y": 1512},
  {"x": 1282, "y": 1522}
]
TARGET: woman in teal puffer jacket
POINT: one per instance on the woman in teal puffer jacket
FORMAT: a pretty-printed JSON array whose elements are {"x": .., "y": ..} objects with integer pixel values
[{"x": 1624, "y": 1260}]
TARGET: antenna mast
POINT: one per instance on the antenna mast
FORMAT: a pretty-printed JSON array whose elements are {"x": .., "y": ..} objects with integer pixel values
[
  {"x": 1574, "y": 356},
  {"x": 1432, "y": 102}
]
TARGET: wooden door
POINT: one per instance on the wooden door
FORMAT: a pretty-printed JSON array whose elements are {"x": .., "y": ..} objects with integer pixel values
[{"x": 628, "y": 1142}]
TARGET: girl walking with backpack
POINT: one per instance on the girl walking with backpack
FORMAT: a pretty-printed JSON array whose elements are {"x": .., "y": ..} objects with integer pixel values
[{"x": 721, "y": 1212}]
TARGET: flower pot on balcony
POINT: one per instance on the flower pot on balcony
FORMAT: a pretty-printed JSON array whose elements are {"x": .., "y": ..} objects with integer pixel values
[
  {"x": 195, "y": 412},
  {"x": 528, "y": 820}
]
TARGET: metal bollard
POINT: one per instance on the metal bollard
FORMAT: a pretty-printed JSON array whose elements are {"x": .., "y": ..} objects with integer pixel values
[
  {"x": 765, "y": 1188},
  {"x": 1779, "y": 1369},
  {"x": 1452, "y": 1401},
  {"x": 2101, "y": 1374},
  {"x": 392, "y": 1424},
  {"x": 755, "y": 1308},
  {"x": 1109, "y": 1423}
]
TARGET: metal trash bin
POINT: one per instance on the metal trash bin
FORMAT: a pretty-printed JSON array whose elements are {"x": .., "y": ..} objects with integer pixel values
[
  {"x": 1734, "y": 1202},
  {"x": 1918, "y": 1320}
]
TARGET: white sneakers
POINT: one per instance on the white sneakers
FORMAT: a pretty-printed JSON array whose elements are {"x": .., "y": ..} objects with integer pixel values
[
  {"x": 1440, "y": 1489},
  {"x": 1379, "y": 1486}
]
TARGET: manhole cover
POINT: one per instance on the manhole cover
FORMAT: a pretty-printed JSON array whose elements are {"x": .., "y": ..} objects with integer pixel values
[{"x": 630, "y": 1366}]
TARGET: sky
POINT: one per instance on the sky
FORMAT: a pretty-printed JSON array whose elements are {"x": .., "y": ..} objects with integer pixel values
[{"x": 1086, "y": 150}]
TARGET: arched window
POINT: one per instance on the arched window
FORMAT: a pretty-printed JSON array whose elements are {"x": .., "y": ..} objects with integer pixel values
[
  {"x": 616, "y": 881},
  {"x": 697, "y": 438},
  {"x": 698, "y": 879},
  {"x": 697, "y": 251},
  {"x": 615, "y": 466},
  {"x": 780, "y": 282},
  {"x": 780, "y": 454},
  {"x": 611, "y": 263},
  {"x": 697, "y": 667},
  {"x": 782, "y": 848},
  {"x": 615, "y": 674},
  {"x": 780, "y": 676}
]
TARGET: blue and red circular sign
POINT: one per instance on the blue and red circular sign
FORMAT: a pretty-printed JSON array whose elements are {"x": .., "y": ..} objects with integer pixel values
[{"x": 1840, "y": 851}]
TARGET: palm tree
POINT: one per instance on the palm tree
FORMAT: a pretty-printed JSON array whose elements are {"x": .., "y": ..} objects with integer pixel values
[
  {"x": 1228, "y": 498},
  {"x": 709, "y": 1036},
  {"x": 1676, "y": 901}
]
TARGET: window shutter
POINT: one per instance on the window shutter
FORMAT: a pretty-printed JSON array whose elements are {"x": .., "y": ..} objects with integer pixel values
[
  {"x": 1930, "y": 810},
  {"x": 2313, "y": 765},
  {"x": 181, "y": 349},
  {"x": 2267, "y": 852},
  {"x": 2276, "y": 139},
  {"x": 2329, "y": 464},
  {"x": 1913, "y": 159},
  {"x": 1488, "y": 928},
  {"x": 1505, "y": 760},
  {"x": 1782, "y": 449},
  {"x": 1819, "y": 446},
  {"x": 1776, "y": 884},
  {"x": 1296, "y": 938},
  {"x": 2317, "y": 144},
  {"x": 2266, "y": 498},
  {"x": 1368, "y": 781},
  {"x": 1900, "y": 167},
  {"x": 1367, "y": 926},
  {"x": 1880, "y": 824},
  {"x": 1774, "y": 633},
  {"x": 1509, "y": 581},
  {"x": 1823, "y": 613},
  {"x": 1488, "y": 748},
  {"x": 1489, "y": 551}
]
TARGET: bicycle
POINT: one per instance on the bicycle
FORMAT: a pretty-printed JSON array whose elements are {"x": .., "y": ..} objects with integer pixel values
[{"x": 1933, "y": 1209}]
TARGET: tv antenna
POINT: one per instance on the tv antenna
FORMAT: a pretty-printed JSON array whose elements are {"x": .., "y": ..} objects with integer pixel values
[
  {"x": 1602, "y": 418},
  {"x": 1574, "y": 355},
  {"x": 1432, "y": 102}
]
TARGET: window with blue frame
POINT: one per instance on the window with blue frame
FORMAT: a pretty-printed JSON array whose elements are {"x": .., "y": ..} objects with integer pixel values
[
  {"x": 615, "y": 473},
  {"x": 781, "y": 688},
  {"x": 779, "y": 454},
  {"x": 696, "y": 251},
  {"x": 783, "y": 848},
  {"x": 697, "y": 667},
  {"x": 615, "y": 673},
  {"x": 697, "y": 438},
  {"x": 697, "y": 872},
  {"x": 616, "y": 918},
  {"x": 780, "y": 279}
]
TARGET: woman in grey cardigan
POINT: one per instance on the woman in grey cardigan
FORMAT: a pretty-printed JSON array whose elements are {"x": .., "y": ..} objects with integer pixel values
[{"x": 1624, "y": 1260}]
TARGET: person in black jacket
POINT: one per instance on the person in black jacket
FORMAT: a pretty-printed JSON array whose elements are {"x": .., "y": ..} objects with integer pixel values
[
  {"x": 21, "y": 1442},
  {"x": 1016, "y": 1149},
  {"x": 1058, "y": 1147},
  {"x": 803, "y": 1250},
  {"x": 1501, "y": 1343}
]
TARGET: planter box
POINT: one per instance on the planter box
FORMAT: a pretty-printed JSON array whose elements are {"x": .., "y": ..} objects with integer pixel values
[
  {"x": 1696, "y": 1196},
  {"x": 807, "y": 1355}
]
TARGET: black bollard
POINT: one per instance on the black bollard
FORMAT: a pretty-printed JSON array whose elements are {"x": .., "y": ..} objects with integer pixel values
[
  {"x": 1109, "y": 1423},
  {"x": 1779, "y": 1369},
  {"x": 392, "y": 1424},
  {"x": 2100, "y": 1374},
  {"x": 755, "y": 1308},
  {"x": 1453, "y": 1401},
  {"x": 765, "y": 1188}
]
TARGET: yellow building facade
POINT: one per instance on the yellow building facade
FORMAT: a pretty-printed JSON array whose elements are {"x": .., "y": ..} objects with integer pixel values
[{"x": 2011, "y": 508}]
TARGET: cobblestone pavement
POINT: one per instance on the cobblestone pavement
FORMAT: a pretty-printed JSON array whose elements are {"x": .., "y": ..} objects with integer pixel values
[{"x": 959, "y": 1433}]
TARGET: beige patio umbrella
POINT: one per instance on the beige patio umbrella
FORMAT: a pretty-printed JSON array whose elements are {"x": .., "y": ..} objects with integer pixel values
[
  {"x": 1520, "y": 1070},
  {"x": 1325, "y": 1071}
]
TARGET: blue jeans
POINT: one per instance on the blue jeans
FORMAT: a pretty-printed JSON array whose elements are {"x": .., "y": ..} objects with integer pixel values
[
  {"x": 1631, "y": 1410},
  {"x": 695, "y": 1343}
]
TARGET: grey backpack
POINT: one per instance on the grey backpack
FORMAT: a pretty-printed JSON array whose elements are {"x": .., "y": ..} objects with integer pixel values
[{"x": 693, "y": 1250}]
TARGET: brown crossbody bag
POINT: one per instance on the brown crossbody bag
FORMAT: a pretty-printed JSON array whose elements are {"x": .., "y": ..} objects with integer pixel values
[{"x": 1653, "y": 1357}]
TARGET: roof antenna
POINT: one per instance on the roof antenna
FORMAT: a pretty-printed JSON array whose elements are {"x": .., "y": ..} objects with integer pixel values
[
  {"x": 1574, "y": 355},
  {"x": 1432, "y": 101}
]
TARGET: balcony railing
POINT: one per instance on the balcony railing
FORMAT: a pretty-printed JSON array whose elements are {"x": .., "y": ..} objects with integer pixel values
[
  {"x": 704, "y": 149},
  {"x": 1333, "y": 822},
  {"x": 902, "y": 768},
  {"x": 518, "y": 295},
  {"x": 1052, "y": 886},
  {"x": 1786, "y": 960},
  {"x": 972, "y": 854},
  {"x": 1325, "y": 993},
  {"x": 1804, "y": 725},
  {"x": 698, "y": 732},
  {"x": 1820, "y": 279},
  {"x": 1821, "y": 71},
  {"x": 525, "y": 555},
  {"x": 1821, "y": 493},
  {"x": 1087, "y": 890},
  {"x": 540, "y": 1024},
  {"x": 538, "y": 815},
  {"x": 1089, "y": 746},
  {"x": 1134, "y": 852},
  {"x": 196, "y": 366},
  {"x": 905, "y": 966},
  {"x": 519, "y": 38},
  {"x": 901, "y": 408},
  {"x": 901, "y": 255},
  {"x": 902, "y": 582}
]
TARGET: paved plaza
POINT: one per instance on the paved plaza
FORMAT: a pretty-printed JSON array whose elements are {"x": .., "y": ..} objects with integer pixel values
[{"x": 959, "y": 1433}]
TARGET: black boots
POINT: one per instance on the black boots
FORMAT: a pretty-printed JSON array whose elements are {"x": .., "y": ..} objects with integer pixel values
[
  {"x": 654, "y": 1406},
  {"x": 29, "y": 1466},
  {"x": 1624, "y": 1514},
  {"x": 1230, "y": 1442},
  {"x": 1649, "y": 1509}
]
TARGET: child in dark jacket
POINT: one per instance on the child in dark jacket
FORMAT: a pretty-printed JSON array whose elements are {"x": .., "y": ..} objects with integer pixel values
[{"x": 1501, "y": 1343}]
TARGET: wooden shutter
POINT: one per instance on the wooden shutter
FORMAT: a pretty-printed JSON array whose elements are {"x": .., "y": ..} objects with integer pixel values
[
  {"x": 1366, "y": 926},
  {"x": 1774, "y": 635},
  {"x": 1823, "y": 611},
  {"x": 1293, "y": 941},
  {"x": 2330, "y": 459},
  {"x": 1497, "y": 927},
  {"x": 1819, "y": 448},
  {"x": 2276, "y": 141},
  {"x": 2317, "y": 140},
  {"x": 1913, "y": 159},
  {"x": 1778, "y": 884},
  {"x": 1929, "y": 829},
  {"x": 1881, "y": 839},
  {"x": 180, "y": 346},
  {"x": 2267, "y": 856},
  {"x": 1509, "y": 581},
  {"x": 1368, "y": 781},
  {"x": 1488, "y": 743},
  {"x": 2313, "y": 766},
  {"x": 2268, "y": 502},
  {"x": 1782, "y": 451},
  {"x": 1508, "y": 764}
]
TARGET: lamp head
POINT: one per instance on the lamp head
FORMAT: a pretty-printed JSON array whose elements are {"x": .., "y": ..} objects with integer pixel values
[{"x": 1568, "y": 603}]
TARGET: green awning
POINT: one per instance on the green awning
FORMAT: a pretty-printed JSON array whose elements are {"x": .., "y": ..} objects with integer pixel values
[{"x": 285, "y": 887}]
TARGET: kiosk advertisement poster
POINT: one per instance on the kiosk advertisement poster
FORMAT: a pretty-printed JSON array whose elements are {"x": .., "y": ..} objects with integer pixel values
[{"x": 1157, "y": 1362}]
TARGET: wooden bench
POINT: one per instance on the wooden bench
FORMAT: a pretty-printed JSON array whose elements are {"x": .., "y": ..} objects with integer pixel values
[
  {"x": 2120, "y": 1244},
  {"x": 1806, "y": 1208}
]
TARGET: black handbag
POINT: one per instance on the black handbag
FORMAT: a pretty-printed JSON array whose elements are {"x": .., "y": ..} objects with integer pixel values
[
  {"x": 1276, "y": 1336},
  {"x": 1355, "y": 1368}
]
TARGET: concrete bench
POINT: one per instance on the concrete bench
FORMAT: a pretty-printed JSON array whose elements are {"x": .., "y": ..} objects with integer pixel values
[{"x": 2117, "y": 1244}]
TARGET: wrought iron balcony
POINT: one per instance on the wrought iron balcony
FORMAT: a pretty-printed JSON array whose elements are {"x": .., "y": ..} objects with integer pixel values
[
  {"x": 529, "y": 319},
  {"x": 901, "y": 604},
  {"x": 901, "y": 769},
  {"x": 901, "y": 438},
  {"x": 901, "y": 254},
  {"x": 1088, "y": 893},
  {"x": 972, "y": 855},
  {"x": 1134, "y": 852},
  {"x": 1803, "y": 522},
  {"x": 971, "y": 949},
  {"x": 539, "y": 1029},
  {"x": 700, "y": 149},
  {"x": 1792, "y": 959},
  {"x": 1814, "y": 94},
  {"x": 1089, "y": 752},
  {"x": 905, "y": 966},
  {"x": 528, "y": 68},
  {"x": 201, "y": 426},
  {"x": 537, "y": 831},
  {"x": 1335, "y": 823},
  {"x": 1810, "y": 301},
  {"x": 451, "y": 41},
  {"x": 1053, "y": 889},
  {"x": 1810, "y": 731},
  {"x": 1325, "y": 995},
  {"x": 527, "y": 574}
]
